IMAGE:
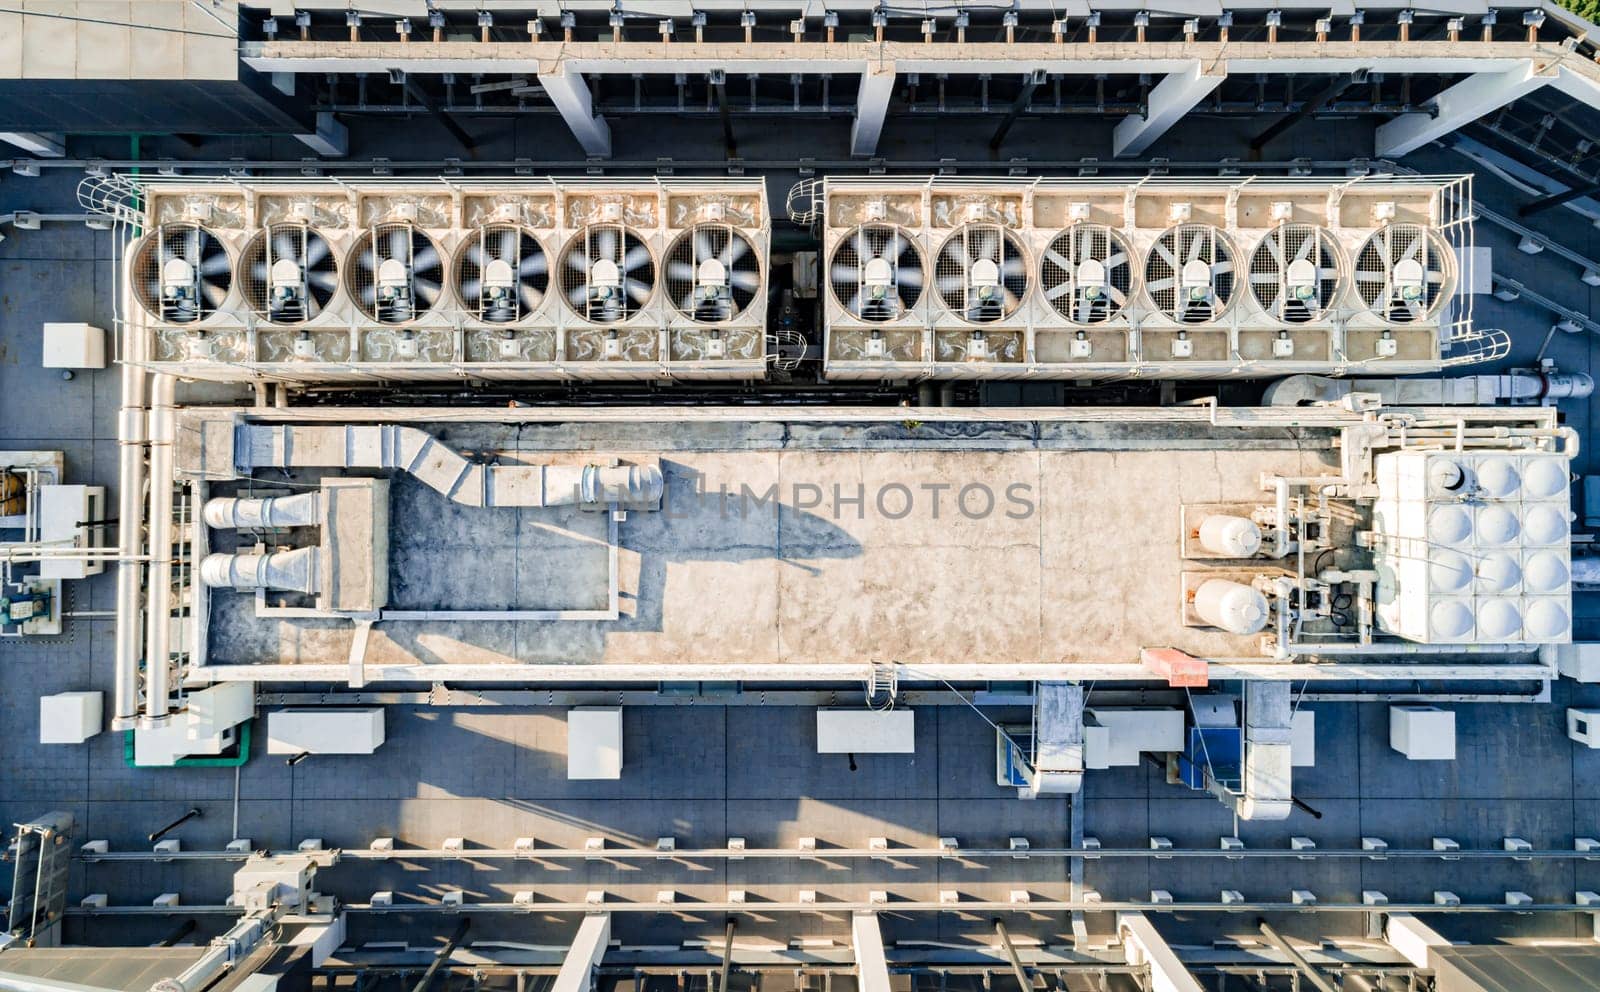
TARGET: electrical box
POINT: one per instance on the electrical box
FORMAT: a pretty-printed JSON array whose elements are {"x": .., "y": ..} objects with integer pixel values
[
  {"x": 74, "y": 346},
  {"x": 69, "y": 517},
  {"x": 1583, "y": 727},
  {"x": 1115, "y": 738},
  {"x": 1423, "y": 733},
  {"x": 1580, "y": 661},
  {"x": 325, "y": 730},
  {"x": 1303, "y": 739},
  {"x": 866, "y": 731},
  {"x": 594, "y": 742},
  {"x": 70, "y": 717}
]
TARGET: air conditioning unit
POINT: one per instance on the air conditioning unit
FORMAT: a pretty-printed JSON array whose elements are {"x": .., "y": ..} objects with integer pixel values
[
  {"x": 1157, "y": 278},
  {"x": 405, "y": 280}
]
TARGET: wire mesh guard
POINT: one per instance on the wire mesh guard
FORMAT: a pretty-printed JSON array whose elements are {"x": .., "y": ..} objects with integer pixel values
[
  {"x": 713, "y": 273},
  {"x": 1189, "y": 273},
  {"x": 181, "y": 273},
  {"x": 1402, "y": 273},
  {"x": 876, "y": 273},
  {"x": 607, "y": 274},
  {"x": 288, "y": 274},
  {"x": 981, "y": 273},
  {"x": 1086, "y": 274},
  {"x": 502, "y": 274},
  {"x": 1294, "y": 273},
  {"x": 396, "y": 273}
]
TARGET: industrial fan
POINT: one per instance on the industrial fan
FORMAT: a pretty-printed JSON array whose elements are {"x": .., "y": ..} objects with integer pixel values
[
  {"x": 288, "y": 274},
  {"x": 1294, "y": 273},
  {"x": 713, "y": 273},
  {"x": 1087, "y": 273},
  {"x": 396, "y": 273},
  {"x": 876, "y": 273},
  {"x": 181, "y": 273},
  {"x": 608, "y": 274},
  {"x": 981, "y": 273},
  {"x": 1189, "y": 273},
  {"x": 1401, "y": 271},
  {"x": 502, "y": 273}
]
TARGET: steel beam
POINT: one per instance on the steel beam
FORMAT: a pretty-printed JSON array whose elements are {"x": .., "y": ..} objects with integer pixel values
[
  {"x": 872, "y": 108},
  {"x": 1461, "y": 104},
  {"x": 588, "y": 948},
  {"x": 1143, "y": 944},
  {"x": 39, "y": 143},
  {"x": 872, "y": 965},
  {"x": 570, "y": 94},
  {"x": 331, "y": 139},
  {"x": 1318, "y": 980},
  {"x": 1412, "y": 938},
  {"x": 1322, "y": 99},
  {"x": 1169, "y": 102}
]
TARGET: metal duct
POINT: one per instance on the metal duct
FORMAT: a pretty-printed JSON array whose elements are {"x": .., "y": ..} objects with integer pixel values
[
  {"x": 1057, "y": 766},
  {"x": 1268, "y": 716},
  {"x": 291, "y": 571},
  {"x": 435, "y": 463},
  {"x": 299, "y": 510}
]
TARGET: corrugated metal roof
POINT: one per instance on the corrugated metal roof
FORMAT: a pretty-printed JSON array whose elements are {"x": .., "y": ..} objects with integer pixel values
[{"x": 1507, "y": 968}]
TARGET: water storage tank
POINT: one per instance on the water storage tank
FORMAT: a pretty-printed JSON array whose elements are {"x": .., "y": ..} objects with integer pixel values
[
  {"x": 1232, "y": 606},
  {"x": 1499, "y": 620},
  {"x": 1449, "y": 571},
  {"x": 1497, "y": 525},
  {"x": 1445, "y": 477},
  {"x": 1230, "y": 537},
  {"x": 1546, "y": 620},
  {"x": 1450, "y": 620},
  {"x": 1450, "y": 526},
  {"x": 1545, "y": 524},
  {"x": 1498, "y": 478},
  {"x": 1544, "y": 572},
  {"x": 1499, "y": 572},
  {"x": 1543, "y": 478}
]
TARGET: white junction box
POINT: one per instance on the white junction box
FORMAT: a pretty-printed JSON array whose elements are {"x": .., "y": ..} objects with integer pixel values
[
  {"x": 1579, "y": 661},
  {"x": 325, "y": 731},
  {"x": 1583, "y": 727},
  {"x": 69, "y": 717},
  {"x": 74, "y": 346},
  {"x": 67, "y": 516},
  {"x": 1423, "y": 733},
  {"x": 594, "y": 742},
  {"x": 1303, "y": 739},
  {"x": 1115, "y": 738},
  {"x": 866, "y": 732}
]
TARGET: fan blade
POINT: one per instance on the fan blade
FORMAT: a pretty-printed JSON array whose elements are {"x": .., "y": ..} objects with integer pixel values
[
  {"x": 426, "y": 290},
  {"x": 326, "y": 281},
  {"x": 369, "y": 295},
  {"x": 1057, "y": 259},
  {"x": 533, "y": 264},
  {"x": 284, "y": 245},
  {"x": 1161, "y": 248},
  {"x": 1057, "y": 291},
  {"x": 471, "y": 291},
  {"x": 909, "y": 277},
  {"x": 1012, "y": 268},
  {"x": 1011, "y": 299},
  {"x": 396, "y": 243},
  {"x": 679, "y": 269},
  {"x": 1160, "y": 285},
  {"x": 1414, "y": 249},
  {"x": 737, "y": 249},
  {"x": 842, "y": 275},
  {"x": 577, "y": 261},
  {"x": 476, "y": 256},
  {"x": 258, "y": 271},
  {"x": 578, "y": 295},
  {"x": 1371, "y": 277},
  {"x": 703, "y": 248},
  {"x": 949, "y": 284},
  {"x": 1116, "y": 261},
  {"x": 213, "y": 294},
  {"x": 530, "y": 297},
  {"x": 854, "y": 306},
  {"x": 507, "y": 243},
  {"x": 1117, "y": 296},
  {"x": 1274, "y": 248},
  {"x": 316, "y": 250},
  {"x": 638, "y": 290},
  {"x": 1221, "y": 268},
  {"x": 367, "y": 261},
  {"x": 605, "y": 244},
  {"x": 859, "y": 242},
  {"x": 1196, "y": 244},
  {"x": 686, "y": 303},
  {"x": 1306, "y": 248},
  {"x": 215, "y": 264},
  {"x": 747, "y": 281},
  {"x": 425, "y": 260},
  {"x": 637, "y": 258},
  {"x": 1263, "y": 278}
]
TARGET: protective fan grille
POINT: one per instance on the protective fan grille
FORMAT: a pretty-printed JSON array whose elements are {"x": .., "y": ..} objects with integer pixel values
[
  {"x": 1189, "y": 273},
  {"x": 287, "y": 274},
  {"x": 713, "y": 274},
  {"x": 1401, "y": 273},
  {"x": 607, "y": 274},
  {"x": 981, "y": 273},
  {"x": 181, "y": 273},
  {"x": 1087, "y": 273},
  {"x": 502, "y": 273},
  {"x": 395, "y": 274},
  {"x": 876, "y": 273},
  {"x": 1294, "y": 273}
]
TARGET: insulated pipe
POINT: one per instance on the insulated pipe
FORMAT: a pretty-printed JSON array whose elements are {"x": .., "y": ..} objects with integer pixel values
[
  {"x": 131, "y": 437},
  {"x": 158, "y": 626},
  {"x": 255, "y": 513},
  {"x": 291, "y": 571}
]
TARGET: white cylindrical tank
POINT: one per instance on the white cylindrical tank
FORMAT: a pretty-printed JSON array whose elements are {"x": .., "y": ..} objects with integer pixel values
[
  {"x": 1545, "y": 524},
  {"x": 1497, "y": 525},
  {"x": 1545, "y": 572},
  {"x": 1450, "y": 526},
  {"x": 1448, "y": 571},
  {"x": 299, "y": 510},
  {"x": 1232, "y": 606},
  {"x": 1228, "y": 536},
  {"x": 1498, "y": 478},
  {"x": 1499, "y": 572},
  {"x": 1499, "y": 620},
  {"x": 1543, "y": 478}
]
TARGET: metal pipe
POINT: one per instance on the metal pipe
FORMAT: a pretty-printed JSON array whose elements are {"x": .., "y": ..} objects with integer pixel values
[
  {"x": 158, "y": 628},
  {"x": 175, "y": 824},
  {"x": 440, "y": 958},
  {"x": 727, "y": 958},
  {"x": 1312, "y": 975},
  {"x": 131, "y": 438}
]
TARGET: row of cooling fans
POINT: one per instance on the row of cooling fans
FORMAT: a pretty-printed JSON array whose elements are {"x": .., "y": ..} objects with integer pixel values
[
  {"x": 182, "y": 273},
  {"x": 1087, "y": 274}
]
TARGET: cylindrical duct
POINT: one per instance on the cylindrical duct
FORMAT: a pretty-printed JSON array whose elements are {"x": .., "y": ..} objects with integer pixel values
[
  {"x": 1230, "y": 537},
  {"x": 299, "y": 510},
  {"x": 569, "y": 484},
  {"x": 291, "y": 571},
  {"x": 1232, "y": 606}
]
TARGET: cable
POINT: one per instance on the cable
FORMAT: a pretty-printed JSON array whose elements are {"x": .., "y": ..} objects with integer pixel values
[{"x": 974, "y": 706}]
